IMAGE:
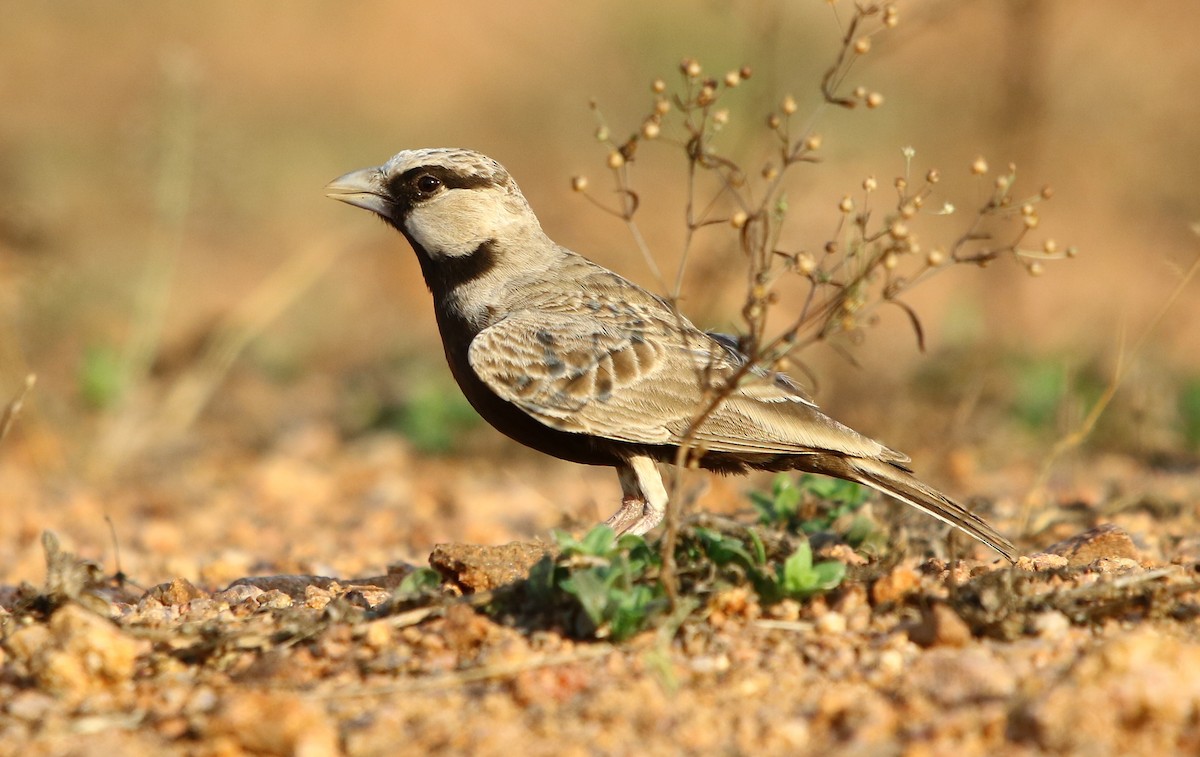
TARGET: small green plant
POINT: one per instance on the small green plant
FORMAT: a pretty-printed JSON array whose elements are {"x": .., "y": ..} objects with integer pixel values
[
  {"x": 796, "y": 577},
  {"x": 101, "y": 376},
  {"x": 612, "y": 582},
  {"x": 1189, "y": 413},
  {"x": 420, "y": 582},
  {"x": 434, "y": 418},
  {"x": 799, "y": 578},
  {"x": 792, "y": 504},
  {"x": 611, "y": 588}
]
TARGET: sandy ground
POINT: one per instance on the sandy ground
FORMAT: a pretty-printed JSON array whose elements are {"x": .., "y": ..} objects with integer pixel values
[{"x": 1089, "y": 649}]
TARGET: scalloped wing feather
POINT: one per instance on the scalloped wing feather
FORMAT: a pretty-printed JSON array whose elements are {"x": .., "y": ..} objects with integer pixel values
[{"x": 643, "y": 385}]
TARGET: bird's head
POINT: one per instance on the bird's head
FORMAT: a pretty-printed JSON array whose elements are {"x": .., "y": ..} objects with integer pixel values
[{"x": 449, "y": 203}]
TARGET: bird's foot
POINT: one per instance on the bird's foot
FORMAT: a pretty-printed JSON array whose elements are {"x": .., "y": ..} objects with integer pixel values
[{"x": 636, "y": 516}]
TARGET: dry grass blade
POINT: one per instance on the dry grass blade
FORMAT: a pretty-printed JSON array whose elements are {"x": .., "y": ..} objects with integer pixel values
[
  {"x": 13, "y": 408},
  {"x": 1079, "y": 435},
  {"x": 192, "y": 391}
]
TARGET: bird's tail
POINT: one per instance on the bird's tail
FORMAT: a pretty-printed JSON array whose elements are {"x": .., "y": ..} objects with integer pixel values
[{"x": 907, "y": 488}]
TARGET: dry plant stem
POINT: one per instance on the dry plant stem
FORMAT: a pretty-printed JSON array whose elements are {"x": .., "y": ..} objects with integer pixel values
[
  {"x": 13, "y": 408},
  {"x": 675, "y": 503},
  {"x": 192, "y": 391},
  {"x": 124, "y": 428},
  {"x": 860, "y": 268},
  {"x": 836, "y": 75},
  {"x": 172, "y": 200},
  {"x": 756, "y": 240},
  {"x": 1077, "y": 436}
]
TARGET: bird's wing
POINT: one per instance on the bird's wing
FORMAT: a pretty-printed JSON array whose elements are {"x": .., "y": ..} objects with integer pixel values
[{"x": 640, "y": 380}]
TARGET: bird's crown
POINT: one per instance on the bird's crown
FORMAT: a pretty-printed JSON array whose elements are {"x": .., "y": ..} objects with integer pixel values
[{"x": 464, "y": 163}]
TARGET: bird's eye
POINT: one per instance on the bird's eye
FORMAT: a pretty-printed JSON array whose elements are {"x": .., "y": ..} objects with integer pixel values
[{"x": 428, "y": 184}]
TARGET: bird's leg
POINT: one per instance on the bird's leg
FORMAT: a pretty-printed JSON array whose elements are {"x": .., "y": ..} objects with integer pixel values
[{"x": 644, "y": 498}]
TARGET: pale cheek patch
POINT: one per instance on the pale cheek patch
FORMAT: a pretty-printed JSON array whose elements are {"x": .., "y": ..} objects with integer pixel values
[{"x": 458, "y": 221}]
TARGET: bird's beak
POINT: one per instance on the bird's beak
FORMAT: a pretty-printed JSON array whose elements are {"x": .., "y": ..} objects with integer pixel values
[{"x": 362, "y": 189}]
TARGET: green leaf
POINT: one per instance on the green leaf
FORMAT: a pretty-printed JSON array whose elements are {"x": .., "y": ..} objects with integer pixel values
[
  {"x": 419, "y": 581},
  {"x": 760, "y": 551},
  {"x": 724, "y": 550},
  {"x": 599, "y": 541},
  {"x": 829, "y": 574},
  {"x": 591, "y": 590},
  {"x": 799, "y": 578}
]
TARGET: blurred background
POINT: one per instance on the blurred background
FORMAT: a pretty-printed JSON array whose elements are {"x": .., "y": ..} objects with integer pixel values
[{"x": 245, "y": 375}]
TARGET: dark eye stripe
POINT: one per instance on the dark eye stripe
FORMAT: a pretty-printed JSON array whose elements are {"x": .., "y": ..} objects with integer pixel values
[{"x": 451, "y": 179}]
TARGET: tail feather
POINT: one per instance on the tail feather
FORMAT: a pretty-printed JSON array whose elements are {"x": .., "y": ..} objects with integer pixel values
[{"x": 905, "y": 487}]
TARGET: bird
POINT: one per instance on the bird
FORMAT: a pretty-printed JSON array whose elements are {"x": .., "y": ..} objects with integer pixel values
[{"x": 566, "y": 356}]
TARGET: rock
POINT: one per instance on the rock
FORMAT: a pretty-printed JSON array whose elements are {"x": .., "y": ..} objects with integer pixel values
[
  {"x": 940, "y": 626},
  {"x": 897, "y": 584},
  {"x": 76, "y": 654},
  {"x": 177, "y": 592},
  {"x": 477, "y": 568},
  {"x": 1105, "y": 541},
  {"x": 238, "y": 593},
  {"x": 295, "y": 586}
]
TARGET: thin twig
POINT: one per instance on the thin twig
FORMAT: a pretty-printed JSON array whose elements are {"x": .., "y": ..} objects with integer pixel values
[{"x": 14, "y": 406}]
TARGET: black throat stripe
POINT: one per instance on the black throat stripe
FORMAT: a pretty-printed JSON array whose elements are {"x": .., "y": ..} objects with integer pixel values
[{"x": 450, "y": 271}]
